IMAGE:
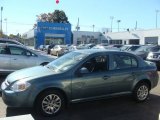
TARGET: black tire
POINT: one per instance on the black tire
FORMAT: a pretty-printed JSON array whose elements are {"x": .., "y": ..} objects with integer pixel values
[
  {"x": 57, "y": 54},
  {"x": 141, "y": 92},
  {"x": 50, "y": 103},
  {"x": 45, "y": 63}
]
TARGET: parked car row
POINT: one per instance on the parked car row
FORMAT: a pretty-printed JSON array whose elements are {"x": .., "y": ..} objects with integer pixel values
[{"x": 146, "y": 52}]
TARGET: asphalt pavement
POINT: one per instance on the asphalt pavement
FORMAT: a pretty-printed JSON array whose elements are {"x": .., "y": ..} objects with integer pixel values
[{"x": 118, "y": 108}]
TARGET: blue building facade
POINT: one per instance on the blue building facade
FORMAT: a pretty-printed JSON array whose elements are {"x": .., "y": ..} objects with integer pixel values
[{"x": 52, "y": 33}]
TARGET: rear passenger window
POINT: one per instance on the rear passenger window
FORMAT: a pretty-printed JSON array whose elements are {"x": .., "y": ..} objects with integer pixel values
[
  {"x": 2, "y": 50},
  {"x": 124, "y": 61}
]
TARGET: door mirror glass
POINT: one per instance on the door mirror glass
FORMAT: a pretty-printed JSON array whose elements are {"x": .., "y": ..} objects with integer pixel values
[{"x": 84, "y": 70}]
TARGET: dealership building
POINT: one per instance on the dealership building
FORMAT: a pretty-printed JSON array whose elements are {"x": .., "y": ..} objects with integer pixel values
[
  {"x": 151, "y": 36},
  {"x": 59, "y": 33},
  {"x": 47, "y": 33}
]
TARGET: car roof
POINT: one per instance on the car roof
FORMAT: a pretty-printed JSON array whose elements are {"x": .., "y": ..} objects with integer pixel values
[
  {"x": 6, "y": 44},
  {"x": 92, "y": 51},
  {"x": 11, "y": 40}
]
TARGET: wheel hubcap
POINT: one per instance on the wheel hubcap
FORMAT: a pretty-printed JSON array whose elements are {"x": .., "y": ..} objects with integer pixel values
[
  {"x": 51, "y": 104},
  {"x": 142, "y": 92}
]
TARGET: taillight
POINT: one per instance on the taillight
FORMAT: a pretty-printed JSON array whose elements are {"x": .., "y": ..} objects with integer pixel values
[{"x": 152, "y": 74}]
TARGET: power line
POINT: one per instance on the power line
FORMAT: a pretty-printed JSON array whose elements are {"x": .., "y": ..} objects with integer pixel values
[{"x": 16, "y": 23}]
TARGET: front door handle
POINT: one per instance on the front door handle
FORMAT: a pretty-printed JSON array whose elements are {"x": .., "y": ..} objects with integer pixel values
[{"x": 106, "y": 77}]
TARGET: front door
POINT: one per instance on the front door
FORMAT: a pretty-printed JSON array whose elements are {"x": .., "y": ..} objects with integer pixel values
[{"x": 91, "y": 81}]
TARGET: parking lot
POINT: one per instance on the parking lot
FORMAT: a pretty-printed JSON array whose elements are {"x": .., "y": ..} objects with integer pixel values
[{"x": 119, "y": 108}]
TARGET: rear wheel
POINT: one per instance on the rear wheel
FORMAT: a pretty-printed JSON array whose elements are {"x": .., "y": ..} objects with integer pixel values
[
  {"x": 50, "y": 103},
  {"x": 141, "y": 92}
]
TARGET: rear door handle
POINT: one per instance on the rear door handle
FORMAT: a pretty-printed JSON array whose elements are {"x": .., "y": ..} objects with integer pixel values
[{"x": 106, "y": 77}]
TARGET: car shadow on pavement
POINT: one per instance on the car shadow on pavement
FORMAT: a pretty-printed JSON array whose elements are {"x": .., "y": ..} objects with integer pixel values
[{"x": 119, "y": 108}]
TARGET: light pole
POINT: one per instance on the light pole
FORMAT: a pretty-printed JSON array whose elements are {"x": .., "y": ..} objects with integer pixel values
[
  {"x": 1, "y": 20},
  {"x": 156, "y": 17},
  {"x": 118, "y": 21},
  {"x": 111, "y": 21},
  {"x": 93, "y": 27},
  {"x": 6, "y": 24}
]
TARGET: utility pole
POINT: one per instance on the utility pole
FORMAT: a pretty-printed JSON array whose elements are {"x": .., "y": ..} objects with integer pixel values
[
  {"x": 1, "y": 21},
  {"x": 6, "y": 24},
  {"x": 118, "y": 21},
  {"x": 136, "y": 26},
  {"x": 157, "y": 11},
  {"x": 111, "y": 21},
  {"x": 77, "y": 27}
]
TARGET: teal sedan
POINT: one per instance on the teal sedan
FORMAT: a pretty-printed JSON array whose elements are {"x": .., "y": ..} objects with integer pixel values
[{"x": 77, "y": 76}]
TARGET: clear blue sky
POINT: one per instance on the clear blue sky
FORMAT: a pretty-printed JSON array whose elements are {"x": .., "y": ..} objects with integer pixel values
[{"x": 21, "y": 14}]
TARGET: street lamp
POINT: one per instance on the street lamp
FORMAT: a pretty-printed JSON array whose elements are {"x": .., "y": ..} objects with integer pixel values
[
  {"x": 1, "y": 20},
  {"x": 6, "y": 24},
  {"x": 118, "y": 21},
  {"x": 156, "y": 17},
  {"x": 111, "y": 21}
]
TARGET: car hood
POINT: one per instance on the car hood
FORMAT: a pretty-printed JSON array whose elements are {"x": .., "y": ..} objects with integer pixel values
[
  {"x": 155, "y": 53},
  {"x": 48, "y": 57},
  {"x": 33, "y": 72}
]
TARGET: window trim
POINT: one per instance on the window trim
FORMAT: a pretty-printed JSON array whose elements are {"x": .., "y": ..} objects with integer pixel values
[{"x": 130, "y": 57}]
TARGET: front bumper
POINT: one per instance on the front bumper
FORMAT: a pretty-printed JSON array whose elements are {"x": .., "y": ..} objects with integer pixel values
[{"x": 16, "y": 99}]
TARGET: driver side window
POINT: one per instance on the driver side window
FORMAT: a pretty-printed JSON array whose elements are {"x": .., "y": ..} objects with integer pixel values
[{"x": 95, "y": 64}]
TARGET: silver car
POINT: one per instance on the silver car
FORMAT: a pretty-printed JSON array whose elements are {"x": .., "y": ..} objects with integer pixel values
[
  {"x": 59, "y": 50},
  {"x": 15, "y": 57}
]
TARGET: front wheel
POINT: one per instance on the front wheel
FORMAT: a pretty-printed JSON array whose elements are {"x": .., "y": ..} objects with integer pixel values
[
  {"x": 50, "y": 103},
  {"x": 141, "y": 92}
]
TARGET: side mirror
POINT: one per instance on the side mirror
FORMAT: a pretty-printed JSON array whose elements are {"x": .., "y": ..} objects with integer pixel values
[{"x": 82, "y": 71}]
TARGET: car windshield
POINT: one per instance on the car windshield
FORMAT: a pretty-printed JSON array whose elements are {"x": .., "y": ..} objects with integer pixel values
[
  {"x": 133, "y": 48},
  {"x": 144, "y": 49},
  {"x": 125, "y": 47},
  {"x": 155, "y": 49},
  {"x": 67, "y": 61}
]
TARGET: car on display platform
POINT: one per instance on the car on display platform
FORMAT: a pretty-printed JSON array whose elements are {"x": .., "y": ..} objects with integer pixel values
[
  {"x": 14, "y": 57},
  {"x": 77, "y": 76}
]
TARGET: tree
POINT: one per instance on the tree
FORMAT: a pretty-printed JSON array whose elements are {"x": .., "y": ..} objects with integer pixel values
[{"x": 58, "y": 16}]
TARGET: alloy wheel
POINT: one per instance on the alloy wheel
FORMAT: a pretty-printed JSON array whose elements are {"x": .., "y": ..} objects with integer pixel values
[{"x": 51, "y": 104}]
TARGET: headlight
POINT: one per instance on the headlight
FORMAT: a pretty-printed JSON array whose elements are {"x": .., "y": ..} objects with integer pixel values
[
  {"x": 20, "y": 86},
  {"x": 150, "y": 55}
]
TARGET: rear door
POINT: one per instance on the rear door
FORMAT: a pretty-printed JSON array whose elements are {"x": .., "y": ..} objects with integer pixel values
[
  {"x": 5, "y": 64},
  {"x": 122, "y": 73}
]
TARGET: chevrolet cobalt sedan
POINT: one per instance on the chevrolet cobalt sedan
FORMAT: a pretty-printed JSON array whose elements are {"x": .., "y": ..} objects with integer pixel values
[{"x": 80, "y": 75}]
